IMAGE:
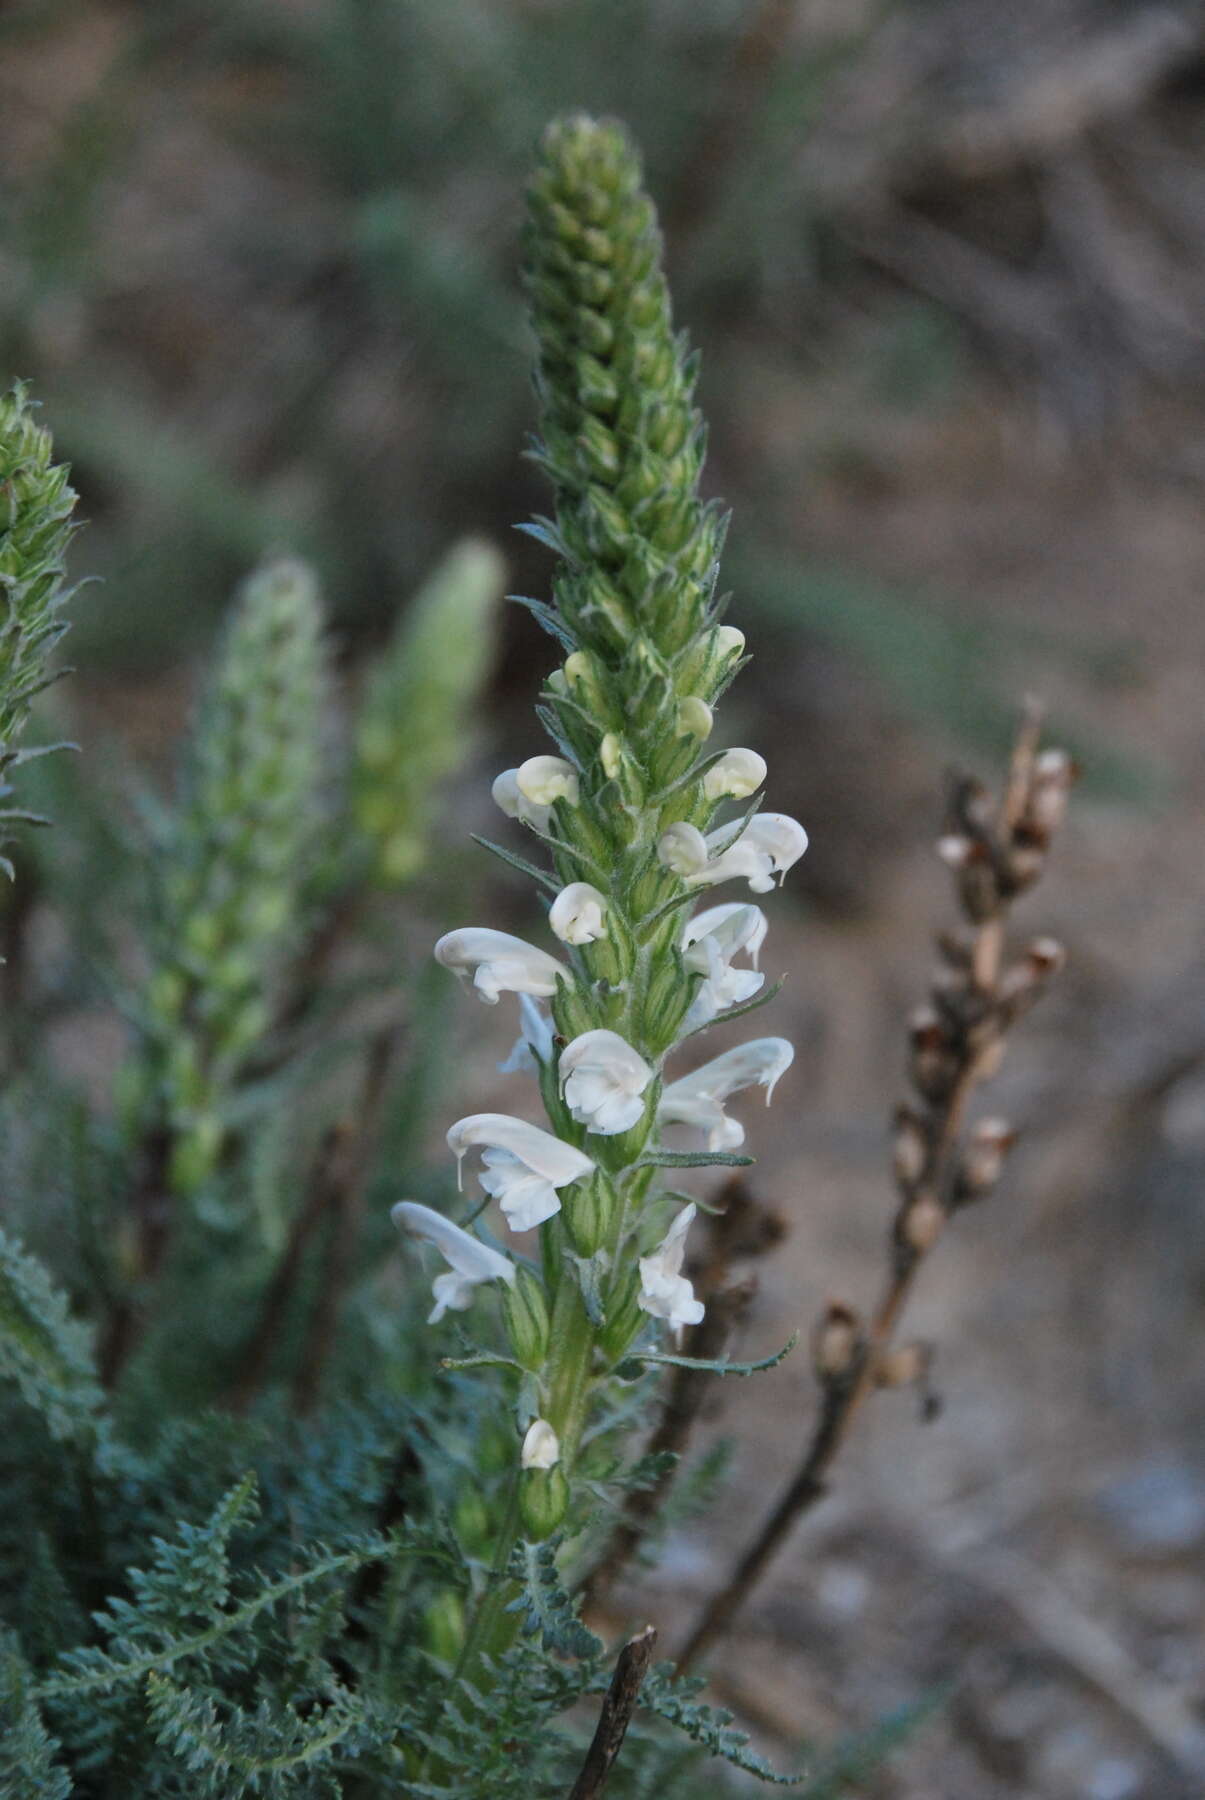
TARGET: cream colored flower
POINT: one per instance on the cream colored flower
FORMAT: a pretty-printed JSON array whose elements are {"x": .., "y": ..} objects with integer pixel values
[
  {"x": 469, "y": 1262},
  {"x": 501, "y": 963},
  {"x": 603, "y": 1079},
  {"x": 523, "y": 1165},
  {"x": 698, "y": 1099}
]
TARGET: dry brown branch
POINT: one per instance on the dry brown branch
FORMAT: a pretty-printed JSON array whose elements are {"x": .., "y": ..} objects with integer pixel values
[
  {"x": 616, "y": 1715},
  {"x": 956, "y": 1043}
]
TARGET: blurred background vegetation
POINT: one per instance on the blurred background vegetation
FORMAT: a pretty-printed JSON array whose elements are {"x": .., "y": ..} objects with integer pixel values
[{"x": 259, "y": 261}]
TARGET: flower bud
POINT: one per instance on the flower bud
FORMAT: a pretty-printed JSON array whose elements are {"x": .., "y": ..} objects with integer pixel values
[
  {"x": 541, "y": 1446},
  {"x": 736, "y": 775},
  {"x": 543, "y": 1501},
  {"x": 695, "y": 717},
  {"x": 545, "y": 779},
  {"x": 610, "y": 754},
  {"x": 526, "y": 1313},
  {"x": 578, "y": 914},
  {"x": 443, "y": 1626}
]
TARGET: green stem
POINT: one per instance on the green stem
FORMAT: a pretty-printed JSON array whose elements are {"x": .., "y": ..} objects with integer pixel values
[{"x": 571, "y": 1351}]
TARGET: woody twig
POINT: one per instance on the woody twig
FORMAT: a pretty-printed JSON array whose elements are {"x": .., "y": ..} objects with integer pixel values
[{"x": 996, "y": 850}]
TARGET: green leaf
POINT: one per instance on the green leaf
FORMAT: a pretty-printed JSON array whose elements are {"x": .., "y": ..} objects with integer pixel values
[
  {"x": 720, "y": 1367},
  {"x": 43, "y": 1350},
  {"x": 518, "y": 862},
  {"x": 694, "y": 1159}
]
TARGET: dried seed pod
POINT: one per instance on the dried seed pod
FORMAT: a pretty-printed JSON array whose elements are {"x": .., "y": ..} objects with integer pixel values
[
  {"x": 906, "y": 1366},
  {"x": 838, "y": 1342},
  {"x": 921, "y": 1223},
  {"x": 909, "y": 1147},
  {"x": 982, "y": 1160}
]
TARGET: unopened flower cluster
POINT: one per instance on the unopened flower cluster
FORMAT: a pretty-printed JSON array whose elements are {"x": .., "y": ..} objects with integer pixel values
[{"x": 631, "y": 822}]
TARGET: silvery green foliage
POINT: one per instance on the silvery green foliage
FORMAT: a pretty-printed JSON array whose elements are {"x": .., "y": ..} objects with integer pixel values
[{"x": 36, "y": 503}]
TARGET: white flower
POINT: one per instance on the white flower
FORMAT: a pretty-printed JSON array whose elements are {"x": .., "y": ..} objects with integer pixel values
[
  {"x": 541, "y": 1446},
  {"x": 524, "y": 1166},
  {"x": 736, "y": 775},
  {"x": 710, "y": 942},
  {"x": 683, "y": 849},
  {"x": 767, "y": 846},
  {"x": 469, "y": 1262},
  {"x": 727, "y": 640},
  {"x": 533, "y": 1045},
  {"x": 664, "y": 1290},
  {"x": 698, "y": 1099},
  {"x": 578, "y": 914},
  {"x": 545, "y": 779},
  {"x": 515, "y": 804},
  {"x": 603, "y": 1079},
  {"x": 503, "y": 963}
]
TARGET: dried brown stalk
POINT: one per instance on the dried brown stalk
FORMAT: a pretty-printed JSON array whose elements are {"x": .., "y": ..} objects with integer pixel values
[
  {"x": 956, "y": 1043},
  {"x": 616, "y": 1715}
]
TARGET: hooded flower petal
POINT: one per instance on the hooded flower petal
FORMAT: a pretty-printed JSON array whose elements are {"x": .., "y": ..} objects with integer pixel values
[
  {"x": 604, "y": 1079},
  {"x": 769, "y": 845},
  {"x": 698, "y": 1099},
  {"x": 533, "y": 1045},
  {"x": 514, "y": 803},
  {"x": 541, "y": 1446},
  {"x": 736, "y": 775},
  {"x": 683, "y": 849},
  {"x": 502, "y": 963},
  {"x": 710, "y": 942},
  {"x": 545, "y": 779},
  {"x": 664, "y": 1290},
  {"x": 524, "y": 1166},
  {"x": 578, "y": 914},
  {"x": 469, "y": 1261},
  {"x": 766, "y": 846}
]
